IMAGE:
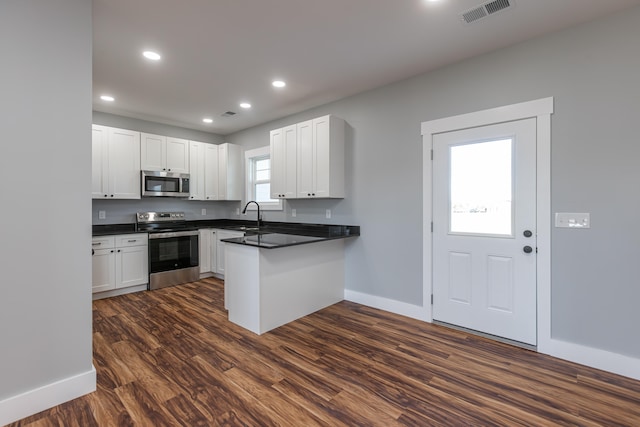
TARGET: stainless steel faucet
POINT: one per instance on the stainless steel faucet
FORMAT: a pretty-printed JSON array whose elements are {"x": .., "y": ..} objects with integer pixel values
[{"x": 244, "y": 211}]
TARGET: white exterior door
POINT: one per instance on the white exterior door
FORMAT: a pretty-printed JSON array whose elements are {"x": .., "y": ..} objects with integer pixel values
[{"x": 484, "y": 229}]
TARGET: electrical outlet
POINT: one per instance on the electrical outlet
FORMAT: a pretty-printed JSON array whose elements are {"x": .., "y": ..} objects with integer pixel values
[
  {"x": 203, "y": 211},
  {"x": 293, "y": 213},
  {"x": 102, "y": 214},
  {"x": 328, "y": 214},
  {"x": 237, "y": 211}
]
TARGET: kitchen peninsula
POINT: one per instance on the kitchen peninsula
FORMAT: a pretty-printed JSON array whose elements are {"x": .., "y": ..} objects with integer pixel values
[{"x": 276, "y": 276}]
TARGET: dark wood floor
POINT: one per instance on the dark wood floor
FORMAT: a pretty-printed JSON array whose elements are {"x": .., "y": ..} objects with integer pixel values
[{"x": 170, "y": 357}]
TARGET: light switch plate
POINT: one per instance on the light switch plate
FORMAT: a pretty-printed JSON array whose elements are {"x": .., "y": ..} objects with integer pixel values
[
  {"x": 102, "y": 214},
  {"x": 573, "y": 220},
  {"x": 328, "y": 215},
  {"x": 203, "y": 211},
  {"x": 237, "y": 211},
  {"x": 293, "y": 213}
]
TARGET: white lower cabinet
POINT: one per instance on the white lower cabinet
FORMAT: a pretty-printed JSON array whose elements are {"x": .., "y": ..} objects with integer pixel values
[
  {"x": 221, "y": 235},
  {"x": 204, "y": 242},
  {"x": 212, "y": 249},
  {"x": 119, "y": 261}
]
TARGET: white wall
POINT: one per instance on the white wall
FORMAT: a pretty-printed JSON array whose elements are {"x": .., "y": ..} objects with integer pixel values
[
  {"x": 45, "y": 224},
  {"x": 592, "y": 72}
]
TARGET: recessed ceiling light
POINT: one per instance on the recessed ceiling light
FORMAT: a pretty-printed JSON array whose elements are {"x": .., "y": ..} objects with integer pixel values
[
  {"x": 278, "y": 83},
  {"x": 108, "y": 98},
  {"x": 245, "y": 105},
  {"x": 151, "y": 55},
  {"x": 207, "y": 120}
]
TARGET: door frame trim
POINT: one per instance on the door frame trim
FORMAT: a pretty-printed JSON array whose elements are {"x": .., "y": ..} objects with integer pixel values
[{"x": 541, "y": 110}]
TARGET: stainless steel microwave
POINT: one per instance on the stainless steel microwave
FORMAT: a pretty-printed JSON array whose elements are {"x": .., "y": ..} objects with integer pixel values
[{"x": 164, "y": 184}]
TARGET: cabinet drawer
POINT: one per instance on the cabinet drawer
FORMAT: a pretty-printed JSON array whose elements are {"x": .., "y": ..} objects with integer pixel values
[
  {"x": 138, "y": 239},
  {"x": 103, "y": 242}
]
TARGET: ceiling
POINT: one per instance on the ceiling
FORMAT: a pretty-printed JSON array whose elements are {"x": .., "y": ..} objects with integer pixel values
[{"x": 218, "y": 53}]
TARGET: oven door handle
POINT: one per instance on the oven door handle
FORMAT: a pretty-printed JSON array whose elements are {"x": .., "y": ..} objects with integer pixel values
[{"x": 173, "y": 234}]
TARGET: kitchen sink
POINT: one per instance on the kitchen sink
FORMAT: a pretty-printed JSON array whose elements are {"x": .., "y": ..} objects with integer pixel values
[{"x": 243, "y": 228}]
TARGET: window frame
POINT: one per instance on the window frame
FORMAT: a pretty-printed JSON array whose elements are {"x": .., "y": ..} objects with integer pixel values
[{"x": 251, "y": 156}]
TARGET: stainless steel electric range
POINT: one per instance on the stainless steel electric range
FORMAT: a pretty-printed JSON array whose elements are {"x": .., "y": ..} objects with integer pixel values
[{"x": 173, "y": 248}]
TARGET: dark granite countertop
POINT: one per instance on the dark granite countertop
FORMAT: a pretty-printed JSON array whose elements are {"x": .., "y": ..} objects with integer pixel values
[
  {"x": 320, "y": 231},
  {"x": 271, "y": 240}
]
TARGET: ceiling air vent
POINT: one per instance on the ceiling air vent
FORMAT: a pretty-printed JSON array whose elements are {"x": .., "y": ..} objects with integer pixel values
[
  {"x": 228, "y": 114},
  {"x": 486, "y": 9}
]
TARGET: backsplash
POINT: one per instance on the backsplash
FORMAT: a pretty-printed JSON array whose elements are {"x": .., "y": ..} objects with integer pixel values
[{"x": 123, "y": 211}]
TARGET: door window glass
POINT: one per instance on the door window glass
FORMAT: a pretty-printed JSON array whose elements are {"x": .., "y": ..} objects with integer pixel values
[{"x": 481, "y": 188}]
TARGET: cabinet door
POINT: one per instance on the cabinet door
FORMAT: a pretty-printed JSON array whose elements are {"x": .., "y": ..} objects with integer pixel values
[
  {"x": 103, "y": 264},
  {"x": 230, "y": 172},
  {"x": 99, "y": 162},
  {"x": 177, "y": 155},
  {"x": 322, "y": 156},
  {"x": 305, "y": 160},
  {"x": 213, "y": 250},
  {"x": 283, "y": 163},
  {"x": 278, "y": 162},
  {"x": 223, "y": 156},
  {"x": 124, "y": 164},
  {"x": 132, "y": 266},
  {"x": 204, "y": 242},
  {"x": 223, "y": 234},
  {"x": 211, "y": 172},
  {"x": 290, "y": 136},
  {"x": 153, "y": 152},
  {"x": 196, "y": 170}
]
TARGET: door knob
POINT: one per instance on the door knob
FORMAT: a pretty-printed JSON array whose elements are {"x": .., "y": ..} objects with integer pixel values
[
  {"x": 527, "y": 233},
  {"x": 527, "y": 249}
]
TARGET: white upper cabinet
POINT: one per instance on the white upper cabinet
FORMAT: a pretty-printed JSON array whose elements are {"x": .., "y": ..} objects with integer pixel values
[
  {"x": 115, "y": 163},
  {"x": 283, "y": 162},
  {"x": 230, "y": 173},
  {"x": 328, "y": 157},
  {"x": 211, "y": 172},
  {"x": 308, "y": 159},
  {"x": 305, "y": 160},
  {"x": 196, "y": 168},
  {"x": 164, "y": 154},
  {"x": 216, "y": 171},
  {"x": 177, "y": 155}
]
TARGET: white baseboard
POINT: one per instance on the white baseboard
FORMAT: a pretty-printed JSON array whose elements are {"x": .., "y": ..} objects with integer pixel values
[
  {"x": 589, "y": 356},
  {"x": 593, "y": 357},
  {"x": 386, "y": 304},
  {"x": 121, "y": 291},
  {"x": 33, "y": 401}
]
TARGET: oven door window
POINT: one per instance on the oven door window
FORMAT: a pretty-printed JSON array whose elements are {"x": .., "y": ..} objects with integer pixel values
[
  {"x": 173, "y": 253},
  {"x": 161, "y": 184}
]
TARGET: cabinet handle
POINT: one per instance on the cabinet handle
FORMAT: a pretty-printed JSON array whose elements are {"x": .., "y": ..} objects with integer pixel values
[
  {"x": 118, "y": 250},
  {"x": 169, "y": 169},
  {"x": 313, "y": 194},
  {"x": 131, "y": 241},
  {"x": 96, "y": 243},
  {"x": 112, "y": 195},
  {"x": 112, "y": 251},
  {"x": 106, "y": 195}
]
